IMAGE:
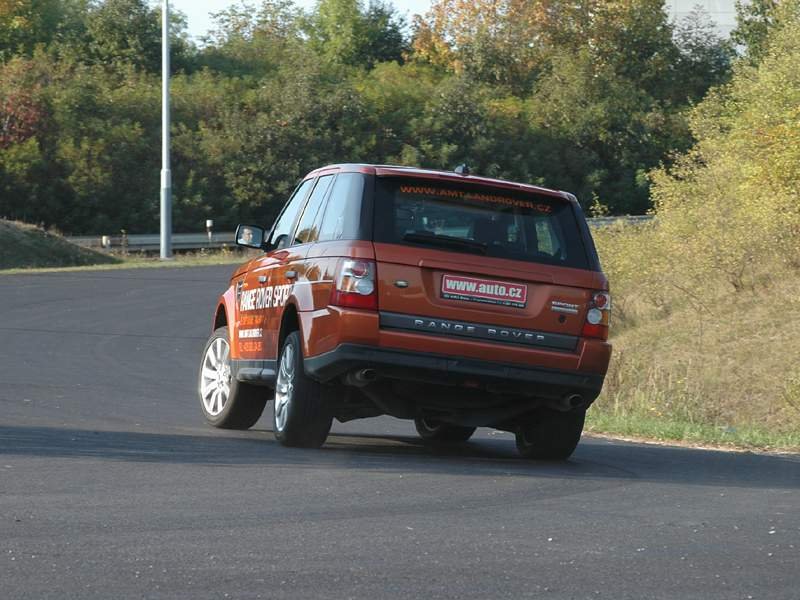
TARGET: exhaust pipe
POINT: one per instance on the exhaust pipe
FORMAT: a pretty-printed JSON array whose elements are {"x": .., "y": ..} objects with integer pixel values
[
  {"x": 574, "y": 400},
  {"x": 366, "y": 376},
  {"x": 567, "y": 403},
  {"x": 361, "y": 378}
]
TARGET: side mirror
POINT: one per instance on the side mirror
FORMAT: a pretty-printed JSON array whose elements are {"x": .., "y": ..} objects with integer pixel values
[{"x": 250, "y": 236}]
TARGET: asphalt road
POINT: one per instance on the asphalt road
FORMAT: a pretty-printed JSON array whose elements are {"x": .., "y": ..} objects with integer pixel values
[{"x": 111, "y": 485}]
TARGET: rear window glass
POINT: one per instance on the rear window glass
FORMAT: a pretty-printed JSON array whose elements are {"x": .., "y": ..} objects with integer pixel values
[{"x": 489, "y": 222}]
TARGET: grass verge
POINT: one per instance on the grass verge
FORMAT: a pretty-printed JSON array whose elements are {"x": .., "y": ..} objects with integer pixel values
[
  {"x": 26, "y": 246},
  {"x": 140, "y": 262},
  {"x": 667, "y": 429},
  {"x": 705, "y": 362},
  {"x": 29, "y": 249}
]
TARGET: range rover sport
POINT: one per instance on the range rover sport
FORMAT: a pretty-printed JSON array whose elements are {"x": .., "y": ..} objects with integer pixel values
[{"x": 453, "y": 300}]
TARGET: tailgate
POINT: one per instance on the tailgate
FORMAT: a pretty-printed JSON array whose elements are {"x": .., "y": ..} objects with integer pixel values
[{"x": 518, "y": 299}]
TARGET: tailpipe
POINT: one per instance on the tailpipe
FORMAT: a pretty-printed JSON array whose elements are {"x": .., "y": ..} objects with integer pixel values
[
  {"x": 567, "y": 403},
  {"x": 361, "y": 378}
]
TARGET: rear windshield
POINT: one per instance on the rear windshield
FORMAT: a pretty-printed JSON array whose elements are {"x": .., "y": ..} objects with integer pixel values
[{"x": 489, "y": 222}]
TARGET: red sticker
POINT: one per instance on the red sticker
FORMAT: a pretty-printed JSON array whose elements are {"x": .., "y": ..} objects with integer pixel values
[{"x": 488, "y": 291}]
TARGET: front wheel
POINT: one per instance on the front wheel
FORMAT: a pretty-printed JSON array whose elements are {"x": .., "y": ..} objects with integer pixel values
[
  {"x": 552, "y": 436},
  {"x": 302, "y": 415},
  {"x": 226, "y": 402},
  {"x": 436, "y": 431}
]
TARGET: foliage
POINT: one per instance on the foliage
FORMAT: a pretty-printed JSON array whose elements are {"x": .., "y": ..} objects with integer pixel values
[
  {"x": 755, "y": 19},
  {"x": 127, "y": 32},
  {"x": 343, "y": 31},
  {"x": 705, "y": 59},
  {"x": 705, "y": 296},
  {"x": 581, "y": 95},
  {"x": 26, "y": 23}
]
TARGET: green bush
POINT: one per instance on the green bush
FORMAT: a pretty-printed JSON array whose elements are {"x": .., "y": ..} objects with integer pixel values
[{"x": 707, "y": 295}]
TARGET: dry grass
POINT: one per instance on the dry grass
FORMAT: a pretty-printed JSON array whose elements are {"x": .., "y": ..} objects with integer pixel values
[
  {"x": 726, "y": 370},
  {"x": 25, "y": 246}
]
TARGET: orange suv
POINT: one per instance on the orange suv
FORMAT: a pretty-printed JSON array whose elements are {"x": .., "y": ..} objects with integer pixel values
[{"x": 453, "y": 300}]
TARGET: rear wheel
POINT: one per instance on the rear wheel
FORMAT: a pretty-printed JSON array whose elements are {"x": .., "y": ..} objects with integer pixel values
[
  {"x": 436, "y": 431},
  {"x": 302, "y": 415},
  {"x": 552, "y": 436},
  {"x": 226, "y": 403}
]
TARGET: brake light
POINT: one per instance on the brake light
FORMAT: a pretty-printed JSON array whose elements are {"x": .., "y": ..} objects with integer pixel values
[
  {"x": 354, "y": 284},
  {"x": 596, "y": 325}
]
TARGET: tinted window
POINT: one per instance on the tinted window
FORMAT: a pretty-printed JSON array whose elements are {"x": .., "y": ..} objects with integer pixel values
[
  {"x": 283, "y": 226},
  {"x": 490, "y": 222},
  {"x": 343, "y": 211},
  {"x": 307, "y": 231}
]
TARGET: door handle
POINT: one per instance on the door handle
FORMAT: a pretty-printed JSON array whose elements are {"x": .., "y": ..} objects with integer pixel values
[
  {"x": 291, "y": 274},
  {"x": 262, "y": 279}
]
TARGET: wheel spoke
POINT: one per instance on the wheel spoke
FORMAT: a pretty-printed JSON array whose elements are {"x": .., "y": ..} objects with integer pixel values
[
  {"x": 207, "y": 392},
  {"x": 289, "y": 359}
]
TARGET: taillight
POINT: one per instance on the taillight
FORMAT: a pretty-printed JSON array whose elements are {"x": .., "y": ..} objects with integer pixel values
[
  {"x": 596, "y": 325},
  {"x": 354, "y": 284}
]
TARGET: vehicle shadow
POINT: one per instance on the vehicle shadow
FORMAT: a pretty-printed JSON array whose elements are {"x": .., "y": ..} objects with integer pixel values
[{"x": 594, "y": 459}]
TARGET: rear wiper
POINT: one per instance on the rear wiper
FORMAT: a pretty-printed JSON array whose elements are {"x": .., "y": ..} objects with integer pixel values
[{"x": 448, "y": 241}]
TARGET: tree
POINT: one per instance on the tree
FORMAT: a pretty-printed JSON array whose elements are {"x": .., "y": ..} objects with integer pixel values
[
  {"x": 343, "y": 32},
  {"x": 125, "y": 32},
  {"x": 753, "y": 22},
  {"x": 705, "y": 58},
  {"x": 607, "y": 131},
  {"x": 254, "y": 40},
  {"x": 21, "y": 105},
  {"x": 383, "y": 32},
  {"x": 511, "y": 41},
  {"x": 497, "y": 41},
  {"x": 24, "y": 24}
]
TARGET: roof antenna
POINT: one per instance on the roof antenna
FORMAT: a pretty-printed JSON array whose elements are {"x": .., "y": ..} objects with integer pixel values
[{"x": 462, "y": 169}]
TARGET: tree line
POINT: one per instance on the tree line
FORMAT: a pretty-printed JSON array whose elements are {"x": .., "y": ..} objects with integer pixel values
[{"x": 583, "y": 95}]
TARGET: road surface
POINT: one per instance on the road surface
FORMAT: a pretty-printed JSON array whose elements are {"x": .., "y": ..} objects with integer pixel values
[{"x": 112, "y": 486}]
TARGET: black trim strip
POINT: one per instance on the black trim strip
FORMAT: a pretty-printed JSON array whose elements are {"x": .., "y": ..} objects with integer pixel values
[
  {"x": 478, "y": 331},
  {"x": 258, "y": 372},
  {"x": 443, "y": 370}
]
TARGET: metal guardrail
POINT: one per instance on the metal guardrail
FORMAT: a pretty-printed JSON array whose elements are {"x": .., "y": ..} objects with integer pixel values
[
  {"x": 198, "y": 241},
  {"x": 147, "y": 242},
  {"x": 630, "y": 219}
]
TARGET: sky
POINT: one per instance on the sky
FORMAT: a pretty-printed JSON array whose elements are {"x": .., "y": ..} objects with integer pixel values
[
  {"x": 723, "y": 12},
  {"x": 197, "y": 11}
]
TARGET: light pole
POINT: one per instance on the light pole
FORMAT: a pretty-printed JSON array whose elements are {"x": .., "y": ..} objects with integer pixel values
[{"x": 166, "y": 173}]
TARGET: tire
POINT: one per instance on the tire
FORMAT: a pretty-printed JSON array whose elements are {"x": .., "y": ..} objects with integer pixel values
[
  {"x": 302, "y": 414},
  {"x": 436, "y": 431},
  {"x": 226, "y": 402},
  {"x": 553, "y": 436}
]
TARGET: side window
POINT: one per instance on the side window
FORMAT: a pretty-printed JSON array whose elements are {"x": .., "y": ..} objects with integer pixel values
[
  {"x": 283, "y": 226},
  {"x": 307, "y": 231},
  {"x": 343, "y": 211}
]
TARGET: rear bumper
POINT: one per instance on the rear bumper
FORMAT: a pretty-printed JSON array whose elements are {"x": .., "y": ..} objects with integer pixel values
[{"x": 455, "y": 371}]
